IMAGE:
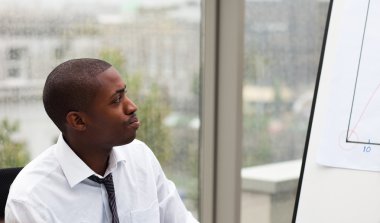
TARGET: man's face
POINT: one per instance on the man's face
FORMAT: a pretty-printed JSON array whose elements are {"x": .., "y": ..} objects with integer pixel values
[{"x": 111, "y": 119}]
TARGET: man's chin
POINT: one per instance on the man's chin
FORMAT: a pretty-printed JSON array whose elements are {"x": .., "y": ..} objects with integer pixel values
[{"x": 130, "y": 139}]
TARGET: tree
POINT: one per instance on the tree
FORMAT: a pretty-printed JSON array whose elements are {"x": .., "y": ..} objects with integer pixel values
[
  {"x": 12, "y": 153},
  {"x": 153, "y": 107}
]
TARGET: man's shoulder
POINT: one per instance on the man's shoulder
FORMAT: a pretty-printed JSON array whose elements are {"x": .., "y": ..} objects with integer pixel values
[{"x": 36, "y": 174}]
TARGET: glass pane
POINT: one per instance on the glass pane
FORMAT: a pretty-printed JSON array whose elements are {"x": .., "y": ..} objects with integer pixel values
[
  {"x": 154, "y": 44},
  {"x": 283, "y": 41}
]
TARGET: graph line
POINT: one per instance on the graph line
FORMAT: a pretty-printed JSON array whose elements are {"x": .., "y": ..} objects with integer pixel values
[{"x": 356, "y": 80}]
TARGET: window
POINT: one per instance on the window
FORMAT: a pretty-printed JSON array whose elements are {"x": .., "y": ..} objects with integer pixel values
[
  {"x": 283, "y": 41},
  {"x": 13, "y": 72},
  {"x": 16, "y": 53},
  {"x": 16, "y": 62},
  {"x": 155, "y": 45}
]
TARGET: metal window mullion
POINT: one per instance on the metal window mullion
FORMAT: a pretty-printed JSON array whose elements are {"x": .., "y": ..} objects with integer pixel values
[
  {"x": 221, "y": 104},
  {"x": 229, "y": 110}
]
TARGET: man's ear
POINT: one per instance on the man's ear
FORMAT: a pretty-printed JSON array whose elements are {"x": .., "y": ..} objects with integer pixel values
[{"x": 76, "y": 120}]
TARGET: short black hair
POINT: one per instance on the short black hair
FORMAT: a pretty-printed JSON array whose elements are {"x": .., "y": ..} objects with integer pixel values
[{"x": 71, "y": 86}]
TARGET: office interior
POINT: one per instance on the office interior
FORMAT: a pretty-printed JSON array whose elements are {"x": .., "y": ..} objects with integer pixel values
[{"x": 225, "y": 89}]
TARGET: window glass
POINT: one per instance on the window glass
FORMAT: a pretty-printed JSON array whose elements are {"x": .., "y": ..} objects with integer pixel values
[
  {"x": 154, "y": 44},
  {"x": 283, "y": 41}
]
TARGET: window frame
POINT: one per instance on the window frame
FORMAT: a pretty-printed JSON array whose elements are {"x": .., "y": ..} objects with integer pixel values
[{"x": 221, "y": 110}]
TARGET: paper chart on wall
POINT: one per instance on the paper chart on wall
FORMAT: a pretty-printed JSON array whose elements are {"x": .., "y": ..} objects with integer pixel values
[{"x": 352, "y": 129}]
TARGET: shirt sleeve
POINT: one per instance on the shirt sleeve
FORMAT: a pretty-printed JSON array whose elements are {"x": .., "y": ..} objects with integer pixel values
[
  {"x": 19, "y": 212},
  {"x": 172, "y": 209}
]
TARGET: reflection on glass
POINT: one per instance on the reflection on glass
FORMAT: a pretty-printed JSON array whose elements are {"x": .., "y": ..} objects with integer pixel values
[
  {"x": 283, "y": 42},
  {"x": 154, "y": 44}
]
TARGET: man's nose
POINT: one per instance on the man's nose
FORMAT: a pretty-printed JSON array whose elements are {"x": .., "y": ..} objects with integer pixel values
[{"x": 129, "y": 106}]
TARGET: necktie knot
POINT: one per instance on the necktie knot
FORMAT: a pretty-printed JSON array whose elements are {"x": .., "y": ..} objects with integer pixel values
[{"x": 99, "y": 180}]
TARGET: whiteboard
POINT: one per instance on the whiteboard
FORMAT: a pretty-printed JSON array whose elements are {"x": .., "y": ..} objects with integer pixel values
[{"x": 340, "y": 176}]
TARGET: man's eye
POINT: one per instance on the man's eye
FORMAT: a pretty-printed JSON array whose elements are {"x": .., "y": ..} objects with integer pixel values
[{"x": 118, "y": 99}]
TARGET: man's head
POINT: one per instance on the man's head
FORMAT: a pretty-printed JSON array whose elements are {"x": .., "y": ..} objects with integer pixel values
[
  {"x": 86, "y": 99},
  {"x": 71, "y": 86}
]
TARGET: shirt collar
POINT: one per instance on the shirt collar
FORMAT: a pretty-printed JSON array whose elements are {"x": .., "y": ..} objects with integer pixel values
[
  {"x": 74, "y": 169},
  {"x": 115, "y": 158}
]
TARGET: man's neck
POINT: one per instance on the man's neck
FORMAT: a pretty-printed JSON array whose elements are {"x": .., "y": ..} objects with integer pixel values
[{"x": 95, "y": 158}]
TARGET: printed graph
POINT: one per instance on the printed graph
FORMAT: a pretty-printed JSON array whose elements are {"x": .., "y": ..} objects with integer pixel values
[{"x": 364, "y": 121}]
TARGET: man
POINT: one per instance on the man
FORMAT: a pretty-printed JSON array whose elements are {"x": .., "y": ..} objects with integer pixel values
[{"x": 97, "y": 171}]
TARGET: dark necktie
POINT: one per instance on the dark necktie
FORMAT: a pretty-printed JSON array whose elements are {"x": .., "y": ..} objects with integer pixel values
[{"x": 108, "y": 183}]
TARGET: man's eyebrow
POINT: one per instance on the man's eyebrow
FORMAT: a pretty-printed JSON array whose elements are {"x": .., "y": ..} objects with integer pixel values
[{"x": 121, "y": 90}]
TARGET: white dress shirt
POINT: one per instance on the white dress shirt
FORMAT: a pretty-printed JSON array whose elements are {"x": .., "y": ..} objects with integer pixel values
[{"x": 55, "y": 187}]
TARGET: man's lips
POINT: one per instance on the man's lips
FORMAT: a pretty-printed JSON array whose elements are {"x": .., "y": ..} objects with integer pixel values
[{"x": 134, "y": 121}]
